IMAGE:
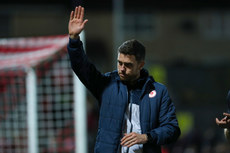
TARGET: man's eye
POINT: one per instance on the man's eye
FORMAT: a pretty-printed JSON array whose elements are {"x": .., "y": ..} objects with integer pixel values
[{"x": 129, "y": 65}]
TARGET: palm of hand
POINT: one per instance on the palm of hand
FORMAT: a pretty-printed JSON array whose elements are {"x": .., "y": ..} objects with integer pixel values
[
  {"x": 75, "y": 26},
  {"x": 76, "y": 22}
]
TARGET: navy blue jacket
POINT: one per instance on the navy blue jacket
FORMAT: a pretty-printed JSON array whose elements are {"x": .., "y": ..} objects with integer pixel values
[
  {"x": 228, "y": 101},
  {"x": 157, "y": 112}
]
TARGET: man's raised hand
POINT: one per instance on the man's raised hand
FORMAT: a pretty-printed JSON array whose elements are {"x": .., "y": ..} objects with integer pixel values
[{"x": 76, "y": 22}]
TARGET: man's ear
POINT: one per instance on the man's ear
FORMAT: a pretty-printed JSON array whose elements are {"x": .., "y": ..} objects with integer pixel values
[{"x": 141, "y": 64}]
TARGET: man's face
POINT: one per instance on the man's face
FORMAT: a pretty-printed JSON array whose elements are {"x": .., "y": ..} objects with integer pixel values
[{"x": 128, "y": 67}]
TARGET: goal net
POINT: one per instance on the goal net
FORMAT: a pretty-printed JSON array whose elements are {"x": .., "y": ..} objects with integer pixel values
[{"x": 36, "y": 113}]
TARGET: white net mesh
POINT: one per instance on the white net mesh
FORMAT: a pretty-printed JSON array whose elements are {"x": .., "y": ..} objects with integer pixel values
[
  {"x": 55, "y": 122},
  {"x": 13, "y": 121},
  {"x": 55, "y": 108}
]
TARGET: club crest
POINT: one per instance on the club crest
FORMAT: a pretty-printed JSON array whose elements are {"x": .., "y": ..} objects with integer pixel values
[{"x": 152, "y": 94}]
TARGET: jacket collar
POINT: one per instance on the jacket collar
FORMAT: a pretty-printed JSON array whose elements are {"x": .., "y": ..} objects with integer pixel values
[{"x": 144, "y": 82}]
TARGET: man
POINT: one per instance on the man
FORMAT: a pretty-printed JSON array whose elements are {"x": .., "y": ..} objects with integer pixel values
[
  {"x": 225, "y": 121},
  {"x": 136, "y": 113}
]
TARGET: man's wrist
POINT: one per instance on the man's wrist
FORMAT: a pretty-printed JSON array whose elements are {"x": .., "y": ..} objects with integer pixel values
[
  {"x": 145, "y": 138},
  {"x": 149, "y": 138},
  {"x": 74, "y": 43},
  {"x": 73, "y": 36}
]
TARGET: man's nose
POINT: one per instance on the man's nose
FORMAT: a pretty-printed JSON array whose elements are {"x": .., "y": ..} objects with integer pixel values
[{"x": 122, "y": 67}]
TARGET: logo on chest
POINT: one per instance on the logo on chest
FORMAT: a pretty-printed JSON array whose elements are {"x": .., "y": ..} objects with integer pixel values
[{"x": 152, "y": 94}]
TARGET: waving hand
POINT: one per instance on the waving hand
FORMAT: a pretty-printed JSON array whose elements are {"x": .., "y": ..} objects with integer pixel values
[{"x": 76, "y": 22}]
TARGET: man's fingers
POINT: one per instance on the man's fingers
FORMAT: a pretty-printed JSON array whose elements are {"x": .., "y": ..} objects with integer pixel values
[
  {"x": 75, "y": 12},
  {"x": 131, "y": 144},
  {"x": 220, "y": 122},
  {"x": 82, "y": 13},
  {"x": 85, "y": 21},
  {"x": 79, "y": 12},
  {"x": 126, "y": 138},
  {"x": 71, "y": 15},
  {"x": 217, "y": 121},
  {"x": 226, "y": 114},
  {"x": 129, "y": 140}
]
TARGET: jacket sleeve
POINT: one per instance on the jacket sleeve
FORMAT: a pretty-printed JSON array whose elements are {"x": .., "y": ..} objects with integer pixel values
[
  {"x": 85, "y": 70},
  {"x": 168, "y": 130}
]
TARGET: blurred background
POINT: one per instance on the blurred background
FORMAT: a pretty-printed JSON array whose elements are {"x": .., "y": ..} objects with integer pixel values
[{"x": 188, "y": 50}]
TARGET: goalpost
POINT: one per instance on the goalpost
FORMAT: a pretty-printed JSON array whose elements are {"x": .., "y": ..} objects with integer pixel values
[
  {"x": 80, "y": 112},
  {"x": 40, "y": 111},
  {"x": 31, "y": 98}
]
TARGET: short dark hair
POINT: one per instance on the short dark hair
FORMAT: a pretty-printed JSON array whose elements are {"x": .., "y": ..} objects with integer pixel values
[{"x": 133, "y": 47}]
